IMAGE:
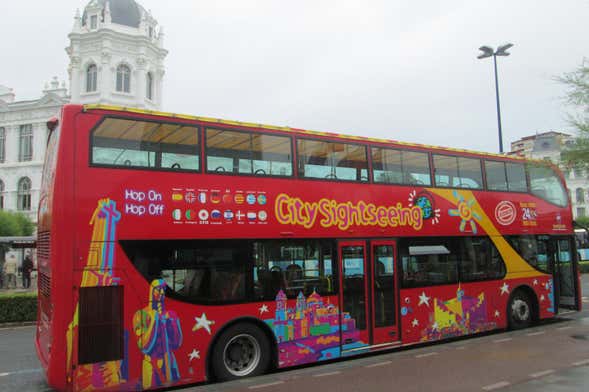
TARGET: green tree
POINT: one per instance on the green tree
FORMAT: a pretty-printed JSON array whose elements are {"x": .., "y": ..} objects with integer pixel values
[
  {"x": 15, "y": 224},
  {"x": 577, "y": 96}
]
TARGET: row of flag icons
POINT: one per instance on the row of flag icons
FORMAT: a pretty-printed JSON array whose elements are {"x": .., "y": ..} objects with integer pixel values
[
  {"x": 228, "y": 215},
  {"x": 217, "y": 197}
]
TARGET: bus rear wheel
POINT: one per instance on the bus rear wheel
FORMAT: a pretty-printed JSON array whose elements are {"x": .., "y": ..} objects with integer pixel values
[
  {"x": 520, "y": 311},
  {"x": 242, "y": 350}
]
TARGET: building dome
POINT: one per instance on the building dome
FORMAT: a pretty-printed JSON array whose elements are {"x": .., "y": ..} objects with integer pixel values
[{"x": 122, "y": 12}]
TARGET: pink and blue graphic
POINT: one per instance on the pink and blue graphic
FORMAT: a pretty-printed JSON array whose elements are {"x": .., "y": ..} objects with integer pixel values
[
  {"x": 311, "y": 330},
  {"x": 158, "y": 333},
  {"x": 457, "y": 316}
]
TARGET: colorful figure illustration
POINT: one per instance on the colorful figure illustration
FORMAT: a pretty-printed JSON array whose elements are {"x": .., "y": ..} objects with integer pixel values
[
  {"x": 311, "y": 330},
  {"x": 457, "y": 316},
  {"x": 158, "y": 332},
  {"x": 99, "y": 272}
]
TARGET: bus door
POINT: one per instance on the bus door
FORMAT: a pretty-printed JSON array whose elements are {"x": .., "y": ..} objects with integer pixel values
[
  {"x": 368, "y": 294},
  {"x": 565, "y": 274}
]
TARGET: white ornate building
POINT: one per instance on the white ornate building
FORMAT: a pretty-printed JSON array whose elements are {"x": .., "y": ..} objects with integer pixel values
[
  {"x": 116, "y": 58},
  {"x": 549, "y": 146}
]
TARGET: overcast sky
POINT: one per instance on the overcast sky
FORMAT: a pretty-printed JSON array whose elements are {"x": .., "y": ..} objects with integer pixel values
[{"x": 371, "y": 68}]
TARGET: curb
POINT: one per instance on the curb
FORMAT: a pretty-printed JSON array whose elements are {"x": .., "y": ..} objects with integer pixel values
[{"x": 17, "y": 324}]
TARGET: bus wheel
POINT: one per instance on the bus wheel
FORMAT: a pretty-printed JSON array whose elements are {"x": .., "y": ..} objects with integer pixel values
[
  {"x": 242, "y": 351},
  {"x": 519, "y": 311}
]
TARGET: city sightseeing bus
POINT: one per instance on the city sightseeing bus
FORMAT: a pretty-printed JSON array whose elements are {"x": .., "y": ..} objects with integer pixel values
[{"x": 176, "y": 249}]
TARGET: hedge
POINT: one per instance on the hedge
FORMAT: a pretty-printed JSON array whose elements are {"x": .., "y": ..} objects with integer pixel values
[
  {"x": 18, "y": 307},
  {"x": 584, "y": 267}
]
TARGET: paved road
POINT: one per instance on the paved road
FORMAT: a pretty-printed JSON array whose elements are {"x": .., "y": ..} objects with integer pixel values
[{"x": 553, "y": 356}]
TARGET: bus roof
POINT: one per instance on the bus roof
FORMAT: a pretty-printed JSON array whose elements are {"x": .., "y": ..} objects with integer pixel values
[{"x": 289, "y": 129}]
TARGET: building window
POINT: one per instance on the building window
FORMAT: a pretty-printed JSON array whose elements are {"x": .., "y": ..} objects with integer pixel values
[
  {"x": 91, "y": 78},
  {"x": 150, "y": 31},
  {"x": 580, "y": 212},
  {"x": 2, "y": 144},
  {"x": 24, "y": 194},
  {"x": 578, "y": 172},
  {"x": 149, "y": 86},
  {"x": 25, "y": 151},
  {"x": 93, "y": 22},
  {"x": 1, "y": 195},
  {"x": 580, "y": 195},
  {"x": 123, "y": 79}
]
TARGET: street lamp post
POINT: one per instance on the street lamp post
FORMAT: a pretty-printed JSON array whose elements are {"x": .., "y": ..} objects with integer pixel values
[{"x": 488, "y": 52}]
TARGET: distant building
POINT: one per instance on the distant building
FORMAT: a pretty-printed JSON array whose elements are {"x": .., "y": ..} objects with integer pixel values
[
  {"x": 116, "y": 58},
  {"x": 549, "y": 146}
]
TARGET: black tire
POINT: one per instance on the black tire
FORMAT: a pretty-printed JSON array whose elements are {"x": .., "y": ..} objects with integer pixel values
[
  {"x": 520, "y": 311},
  {"x": 243, "y": 350}
]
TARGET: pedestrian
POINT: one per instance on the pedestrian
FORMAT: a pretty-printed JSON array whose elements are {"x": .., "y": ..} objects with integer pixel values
[
  {"x": 27, "y": 268},
  {"x": 10, "y": 272}
]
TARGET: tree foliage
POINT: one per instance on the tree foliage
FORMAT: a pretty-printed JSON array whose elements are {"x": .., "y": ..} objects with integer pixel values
[
  {"x": 577, "y": 96},
  {"x": 15, "y": 224}
]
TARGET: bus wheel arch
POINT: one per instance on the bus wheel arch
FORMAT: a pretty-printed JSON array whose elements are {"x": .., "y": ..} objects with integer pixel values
[
  {"x": 522, "y": 308},
  {"x": 243, "y": 327}
]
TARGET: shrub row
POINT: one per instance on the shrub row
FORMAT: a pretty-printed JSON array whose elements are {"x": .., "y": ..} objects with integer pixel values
[
  {"x": 584, "y": 267},
  {"x": 18, "y": 307}
]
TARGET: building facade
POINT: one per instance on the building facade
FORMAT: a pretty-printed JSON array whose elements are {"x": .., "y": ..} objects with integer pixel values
[
  {"x": 549, "y": 146},
  {"x": 116, "y": 58}
]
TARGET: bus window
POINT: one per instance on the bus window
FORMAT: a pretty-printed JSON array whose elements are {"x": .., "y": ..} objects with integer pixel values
[
  {"x": 400, "y": 167},
  {"x": 533, "y": 249},
  {"x": 428, "y": 261},
  {"x": 332, "y": 161},
  {"x": 546, "y": 184},
  {"x": 505, "y": 176},
  {"x": 457, "y": 172},
  {"x": 241, "y": 152},
  {"x": 144, "y": 144},
  {"x": 480, "y": 260}
]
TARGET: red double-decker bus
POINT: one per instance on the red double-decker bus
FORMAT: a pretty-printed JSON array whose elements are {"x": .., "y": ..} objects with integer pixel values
[{"x": 176, "y": 249}]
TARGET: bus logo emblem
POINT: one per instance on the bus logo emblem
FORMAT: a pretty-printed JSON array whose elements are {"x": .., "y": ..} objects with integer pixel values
[
  {"x": 203, "y": 215},
  {"x": 190, "y": 197},
  {"x": 505, "y": 213},
  {"x": 202, "y": 197}
]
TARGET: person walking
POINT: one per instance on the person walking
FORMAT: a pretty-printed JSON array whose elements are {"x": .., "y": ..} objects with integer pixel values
[
  {"x": 27, "y": 268},
  {"x": 10, "y": 272}
]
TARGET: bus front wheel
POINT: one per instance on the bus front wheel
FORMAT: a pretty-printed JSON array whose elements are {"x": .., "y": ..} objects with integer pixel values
[
  {"x": 520, "y": 311},
  {"x": 242, "y": 350}
]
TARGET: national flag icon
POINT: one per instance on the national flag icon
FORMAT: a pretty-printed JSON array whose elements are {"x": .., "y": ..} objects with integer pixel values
[
  {"x": 262, "y": 200},
  {"x": 251, "y": 216},
  {"x": 239, "y": 199},
  {"x": 251, "y": 199},
  {"x": 227, "y": 198},
  {"x": 240, "y": 215},
  {"x": 216, "y": 214},
  {"x": 190, "y": 215},
  {"x": 228, "y": 214},
  {"x": 177, "y": 214},
  {"x": 177, "y": 196},
  {"x": 203, "y": 215},
  {"x": 202, "y": 197},
  {"x": 215, "y": 197},
  {"x": 190, "y": 197},
  {"x": 262, "y": 216}
]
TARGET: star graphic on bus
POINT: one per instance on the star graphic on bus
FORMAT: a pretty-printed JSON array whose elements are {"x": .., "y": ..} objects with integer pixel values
[
  {"x": 263, "y": 309},
  {"x": 203, "y": 323},
  {"x": 423, "y": 299},
  {"x": 466, "y": 213},
  {"x": 497, "y": 313},
  {"x": 195, "y": 354},
  {"x": 415, "y": 323},
  {"x": 504, "y": 288}
]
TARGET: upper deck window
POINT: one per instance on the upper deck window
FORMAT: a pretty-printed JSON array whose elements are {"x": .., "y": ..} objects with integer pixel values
[
  {"x": 458, "y": 172},
  {"x": 241, "y": 152},
  {"x": 143, "y": 144},
  {"x": 506, "y": 176},
  {"x": 546, "y": 184},
  {"x": 332, "y": 161},
  {"x": 400, "y": 167}
]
